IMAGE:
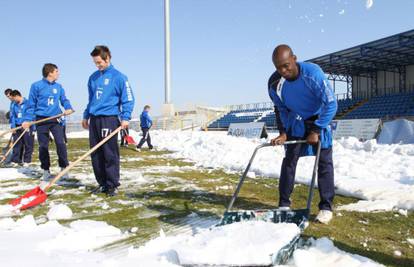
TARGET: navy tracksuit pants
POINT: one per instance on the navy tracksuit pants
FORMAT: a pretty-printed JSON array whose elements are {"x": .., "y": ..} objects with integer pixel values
[
  {"x": 56, "y": 129},
  {"x": 325, "y": 176},
  {"x": 105, "y": 160},
  {"x": 23, "y": 150},
  {"x": 124, "y": 133},
  {"x": 145, "y": 137}
]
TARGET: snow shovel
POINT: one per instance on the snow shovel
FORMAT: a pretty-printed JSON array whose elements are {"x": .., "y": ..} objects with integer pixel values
[
  {"x": 299, "y": 217},
  {"x": 129, "y": 140},
  {"x": 38, "y": 195},
  {"x": 4, "y": 157},
  {"x": 35, "y": 122}
]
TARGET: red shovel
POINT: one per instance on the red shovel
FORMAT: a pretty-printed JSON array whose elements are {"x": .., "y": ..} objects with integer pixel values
[
  {"x": 129, "y": 140},
  {"x": 38, "y": 195}
]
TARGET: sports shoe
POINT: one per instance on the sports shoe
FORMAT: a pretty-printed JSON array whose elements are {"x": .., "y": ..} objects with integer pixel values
[
  {"x": 138, "y": 149},
  {"x": 12, "y": 165},
  {"x": 46, "y": 175},
  {"x": 25, "y": 165},
  {"x": 324, "y": 216},
  {"x": 99, "y": 189},
  {"x": 286, "y": 208},
  {"x": 111, "y": 192}
]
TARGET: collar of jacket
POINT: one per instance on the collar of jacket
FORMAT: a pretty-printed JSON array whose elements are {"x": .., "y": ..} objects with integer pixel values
[{"x": 110, "y": 67}]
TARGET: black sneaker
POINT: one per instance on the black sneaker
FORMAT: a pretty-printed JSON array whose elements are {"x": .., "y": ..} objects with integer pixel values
[
  {"x": 111, "y": 192},
  {"x": 99, "y": 189}
]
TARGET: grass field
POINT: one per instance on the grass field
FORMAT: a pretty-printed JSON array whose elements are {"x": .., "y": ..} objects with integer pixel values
[{"x": 159, "y": 191}]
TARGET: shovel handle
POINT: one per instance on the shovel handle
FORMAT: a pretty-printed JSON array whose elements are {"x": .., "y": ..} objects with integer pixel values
[
  {"x": 243, "y": 177},
  {"x": 36, "y": 122},
  {"x": 73, "y": 164},
  {"x": 12, "y": 145}
]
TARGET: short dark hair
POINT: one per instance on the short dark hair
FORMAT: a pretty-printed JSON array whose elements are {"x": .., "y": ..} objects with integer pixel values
[
  {"x": 102, "y": 51},
  {"x": 15, "y": 93},
  {"x": 147, "y": 106},
  {"x": 48, "y": 68},
  {"x": 8, "y": 91}
]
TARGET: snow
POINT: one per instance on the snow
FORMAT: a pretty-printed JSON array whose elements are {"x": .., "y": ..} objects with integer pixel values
[
  {"x": 51, "y": 244},
  {"x": 369, "y": 4},
  {"x": 239, "y": 243},
  {"x": 233, "y": 244},
  {"x": 378, "y": 174},
  {"x": 59, "y": 212},
  {"x": 324, "y": 253},
  {"x": 382, "y": 176}
]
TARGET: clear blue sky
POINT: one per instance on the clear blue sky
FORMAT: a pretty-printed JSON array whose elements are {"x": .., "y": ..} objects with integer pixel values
[{"x": 221, "y": 49}]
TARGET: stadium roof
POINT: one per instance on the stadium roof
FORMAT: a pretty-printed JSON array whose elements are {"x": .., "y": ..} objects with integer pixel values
[{"x": 391, "y": 53}]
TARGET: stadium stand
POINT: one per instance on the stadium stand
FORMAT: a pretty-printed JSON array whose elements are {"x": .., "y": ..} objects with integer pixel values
[
  {"x": 379, "y": 78},
  {"x": 395, "y": 105}
]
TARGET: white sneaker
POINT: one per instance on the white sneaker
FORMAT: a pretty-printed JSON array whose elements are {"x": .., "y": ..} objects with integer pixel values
[
  {"x": 137, "y": 149},
  {"x": 13, "y": 165},
  {"x": 46, "y": 175},
  {"x": 284, "y": 208},
  {"x": 324, "y": 216},
  {"x": 25, "y": 165}
]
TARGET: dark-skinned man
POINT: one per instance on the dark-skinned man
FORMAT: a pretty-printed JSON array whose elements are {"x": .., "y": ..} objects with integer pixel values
[{"x": 306, "y": 104}]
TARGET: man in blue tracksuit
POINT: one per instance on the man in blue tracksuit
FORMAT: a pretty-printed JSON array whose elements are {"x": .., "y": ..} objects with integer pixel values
[
  {"x": 7, "y": 93},
  {"x": 146, "y": 124},
  {"x": 307, "y": 105},
  {"x": 23, "y": 148},
  {"x": 110, "y": 98},
  {"x": 45, "y": 98}
]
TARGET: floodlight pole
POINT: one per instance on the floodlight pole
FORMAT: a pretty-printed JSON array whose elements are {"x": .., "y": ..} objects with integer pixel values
[
  {"x": 168, "y": 108},
  {"x": 167, "y": 70}
]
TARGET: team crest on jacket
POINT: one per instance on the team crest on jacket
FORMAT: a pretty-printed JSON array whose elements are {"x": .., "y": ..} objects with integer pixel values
[
  {"x": 106, "y": 81},
  {"x": 54, "y": 90}
]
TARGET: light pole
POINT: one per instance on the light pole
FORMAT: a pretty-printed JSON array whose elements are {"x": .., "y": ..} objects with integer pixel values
[{"x": 168, "y": 108}]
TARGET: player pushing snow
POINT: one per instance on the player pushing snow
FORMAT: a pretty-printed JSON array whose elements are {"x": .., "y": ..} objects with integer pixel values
[{"x": 306, "y": 104}]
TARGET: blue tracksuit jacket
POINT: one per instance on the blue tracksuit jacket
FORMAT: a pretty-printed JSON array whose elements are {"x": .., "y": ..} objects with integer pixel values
[
  {"x": 145, "y": 119},
  {"x": 19, "y": 113},
  {"x": 109, "y": 95},
  {"x": 45, "y": 99},
  {"x": 309, "y": 96}
]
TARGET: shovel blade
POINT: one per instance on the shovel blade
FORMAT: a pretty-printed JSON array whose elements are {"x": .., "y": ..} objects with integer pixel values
[
  {"x": 32, "y": 198},
  {"x": 130, "y": 140}
]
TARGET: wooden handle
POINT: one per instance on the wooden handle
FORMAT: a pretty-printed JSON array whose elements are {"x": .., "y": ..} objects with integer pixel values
[
  {"x": 12, "y": 145},
  {"x": 36, "y": 122},
  {"x": 63, "y": 172}
]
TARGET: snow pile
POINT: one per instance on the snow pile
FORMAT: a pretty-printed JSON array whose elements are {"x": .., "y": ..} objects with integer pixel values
[
  {"x": 381, "y": 175},
  {"x": 8, "y": 210},
  {"x": 324, "y": 253},
  {"x": 239, "y": 243},
  {"x": 51, "y": 244},
  {"x": 59, "y": 212},
  {"x": 242, "y": 244}
]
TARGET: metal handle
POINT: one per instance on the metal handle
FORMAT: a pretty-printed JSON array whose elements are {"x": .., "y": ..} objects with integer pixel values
[
  {"x": 243, "y": 177},
  {"x": 312, "y": 184}
]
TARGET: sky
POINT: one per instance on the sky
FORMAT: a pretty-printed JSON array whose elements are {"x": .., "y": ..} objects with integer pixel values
[{"x": 220, "y": 49}]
